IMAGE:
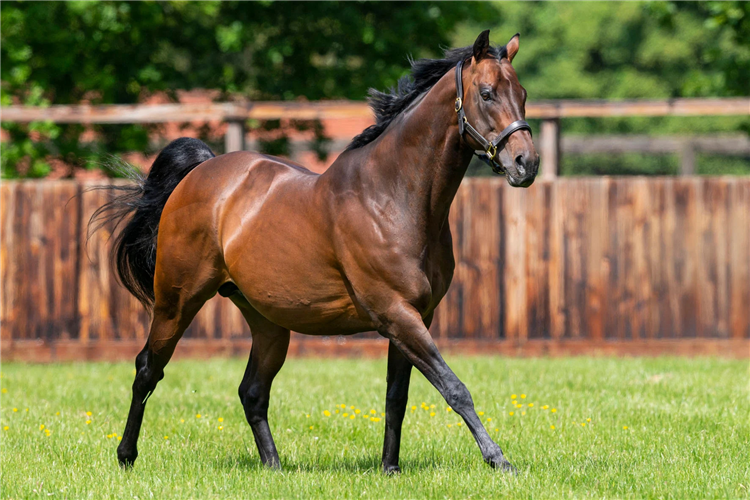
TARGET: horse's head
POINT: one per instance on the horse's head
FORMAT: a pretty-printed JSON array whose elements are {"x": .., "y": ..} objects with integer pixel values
[{"x": 493, "y": 100}]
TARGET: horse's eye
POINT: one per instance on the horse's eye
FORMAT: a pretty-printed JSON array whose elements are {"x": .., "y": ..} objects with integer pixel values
[{"x": 486, "y": 95}]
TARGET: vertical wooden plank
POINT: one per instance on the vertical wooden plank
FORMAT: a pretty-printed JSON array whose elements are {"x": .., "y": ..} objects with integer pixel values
[
  {"x": 8, "y": 265},
  {"x": 62, "y": 226},
  {"x": 557, "y": 204},
  {"x": 481, "y": 253},
  {"x": 575, "y": 257},
  {"x": 96, "y": 278},
  {"x": 686, "y": 243},
  {"x": 739, "y": 259},
  {"x": 713, "y": 268},
  {"x": 537, "y": 259},
  {"x": 516, "y": 326},
  {"x": 597, "y": 268}
]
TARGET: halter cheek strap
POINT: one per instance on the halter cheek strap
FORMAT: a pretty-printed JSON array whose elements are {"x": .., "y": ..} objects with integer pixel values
[{"x": 489, "y": 147}]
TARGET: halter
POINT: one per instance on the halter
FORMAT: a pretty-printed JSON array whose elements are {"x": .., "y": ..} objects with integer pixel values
[{"x": 490, "y": 147}]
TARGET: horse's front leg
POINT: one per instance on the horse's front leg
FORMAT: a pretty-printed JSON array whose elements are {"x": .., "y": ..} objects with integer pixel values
[
  {"x": 403, "y": 325},
  {"x": 396, "y": 398}
]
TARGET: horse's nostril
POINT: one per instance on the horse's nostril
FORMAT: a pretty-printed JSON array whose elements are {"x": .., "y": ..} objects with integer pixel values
[{"x": 520, "y": 164}]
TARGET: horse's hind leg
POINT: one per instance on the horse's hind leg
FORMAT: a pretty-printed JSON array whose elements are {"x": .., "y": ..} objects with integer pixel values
[
  {"x": 270, "y": 344},
  {"x": 175, "y": 307},
  {"x": 397, "y": 396}
]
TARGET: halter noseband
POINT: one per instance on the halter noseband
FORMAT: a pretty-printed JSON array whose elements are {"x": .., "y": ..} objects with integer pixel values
[{"x": 490, "y": 147}]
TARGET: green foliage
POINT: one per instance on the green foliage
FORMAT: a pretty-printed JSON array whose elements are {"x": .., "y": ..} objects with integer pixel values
[
  {"x": 120, "y": 52},
  {"x": 687, "y": 435},
  {"x": 631, "y": 50}
]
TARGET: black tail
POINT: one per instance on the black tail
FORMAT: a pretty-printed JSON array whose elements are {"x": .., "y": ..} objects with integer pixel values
[{"x": 134, "y": 250}]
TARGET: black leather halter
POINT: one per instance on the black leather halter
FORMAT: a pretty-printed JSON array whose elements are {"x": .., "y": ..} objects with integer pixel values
[{"x": 490, "y": 147}]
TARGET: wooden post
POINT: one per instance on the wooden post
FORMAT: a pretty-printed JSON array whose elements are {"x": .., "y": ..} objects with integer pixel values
[
  {"x": 687, "y": 158},
  {"x": 234, "y": 139},
  {"x": 549, "y": 146}
]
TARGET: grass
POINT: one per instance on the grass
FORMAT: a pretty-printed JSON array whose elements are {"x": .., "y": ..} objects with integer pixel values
[{"x": 663, "y": 427}]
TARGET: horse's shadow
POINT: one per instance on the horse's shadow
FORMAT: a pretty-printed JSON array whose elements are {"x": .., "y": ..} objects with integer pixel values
[{"x": 358, "y": 465}]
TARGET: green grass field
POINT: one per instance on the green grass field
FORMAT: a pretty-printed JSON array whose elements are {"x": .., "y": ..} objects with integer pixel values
[{"x": 653, "y": 428}]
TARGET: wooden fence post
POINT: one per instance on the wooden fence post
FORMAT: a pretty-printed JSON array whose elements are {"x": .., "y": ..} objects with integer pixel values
[
  {"x": 687, "y": 158},
  {"x": 234, "y": 139},
  {"x": 549, "y": 145}
]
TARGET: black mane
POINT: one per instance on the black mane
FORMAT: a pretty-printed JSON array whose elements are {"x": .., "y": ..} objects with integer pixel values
[{"x": 424, "y": 74}]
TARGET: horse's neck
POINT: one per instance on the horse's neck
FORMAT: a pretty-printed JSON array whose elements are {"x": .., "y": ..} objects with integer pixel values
[{"x": 422, "y": 157}]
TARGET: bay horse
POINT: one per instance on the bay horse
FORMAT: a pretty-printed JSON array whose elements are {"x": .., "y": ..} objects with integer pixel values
[{"x": 364, "y": 246}]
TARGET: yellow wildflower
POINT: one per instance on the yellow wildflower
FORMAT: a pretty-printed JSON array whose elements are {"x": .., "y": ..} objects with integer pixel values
[
  {"x": 88, "y": 422},
  {"x": 480, "y": 413},
  {"x": 460, "y": 424},
  {"x": 182, "y": 420},
  {"x": 41, "y": 427},
  {"x": 588, "y": 420},
  {"x": 166, "y": 437},
  {"x": 357, "y": 411},
  {"x": 625, "y": 427},
  {"x": 58, "y": 413},
  {"x": 221, "y": 427},
  {"x": 343, "y": 406},
  {"x": 352, "y": 417},
  {"x": 197, "y": 415},
  {"x": 545, "y": 407},
  {"x": 511, "y": 413},
  {"x": 327, "y": 413},
  {"x": 375, "y": 419},
  {"x": 449, "y": 409},
  {"x": 346, "y": 414},
  {"x": 373, "y": 412},
  {"x": 47, "y": 432},
  {"x": 432, "y": 406},
  {"x": 583, "y": 424},
  {"x": 531, "y": 405},
  {"x": 413, "y": 408},
  {"x": 5, "y": 391},
  {"x": 552, "y": 427},
  {"x": 351, "y": 407},
  {"x": 382, "y": 414},
  {"x": 432, "y": 413},
  {"x": 221, "y": 419},
  {"x": 15, "y": 410},
  {"x": 311, "y": 427},
  {"x": 513, "y": 396},
  {"x": 523, "y": 413},
  {"x": 553, "y": 410},
  {"x": 450, "y": 425},
  {"x": 489, "y": 419},
  {"x": 307, "y": 415},
  {"x": 88, "y": 413},
  {"x": 523, "y": 396},
  {"x": 6, "y": 428}
]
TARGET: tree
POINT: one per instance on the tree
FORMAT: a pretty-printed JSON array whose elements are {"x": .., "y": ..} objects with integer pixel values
[{"x": 121, "y": 52}]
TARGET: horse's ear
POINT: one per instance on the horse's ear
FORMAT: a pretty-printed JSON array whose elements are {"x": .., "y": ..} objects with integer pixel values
[
  {"x": 482, "y": 45},
  {"x": 512, "y": 47}
]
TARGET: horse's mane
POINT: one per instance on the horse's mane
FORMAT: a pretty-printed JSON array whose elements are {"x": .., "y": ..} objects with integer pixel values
[{"x": 424, "y": 74}]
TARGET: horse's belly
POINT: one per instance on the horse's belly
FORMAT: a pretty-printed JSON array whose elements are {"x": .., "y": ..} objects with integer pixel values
[{"x": 315, "y": 307}]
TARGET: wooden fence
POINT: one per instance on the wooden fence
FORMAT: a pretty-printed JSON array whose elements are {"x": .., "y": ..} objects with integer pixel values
[
  {"x": 550, "y": 112},
  {"x": 620, "y": 265}
]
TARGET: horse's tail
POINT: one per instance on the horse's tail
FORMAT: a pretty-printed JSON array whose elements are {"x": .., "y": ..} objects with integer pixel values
[{"x": 134, "y": 251}]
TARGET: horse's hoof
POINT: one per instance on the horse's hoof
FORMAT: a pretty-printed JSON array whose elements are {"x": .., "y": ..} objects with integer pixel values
[
  {"x": 391, "y": 470},
  {"x": 126, "y": 459},
  {"x": 503, "y": 465}
]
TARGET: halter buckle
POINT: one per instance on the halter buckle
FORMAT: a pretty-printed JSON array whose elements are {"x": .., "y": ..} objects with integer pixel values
[
  {"x": 459, "y": 104},
  {"x": 491, "y": 151}
]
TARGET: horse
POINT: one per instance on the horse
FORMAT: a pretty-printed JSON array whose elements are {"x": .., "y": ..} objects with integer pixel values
[{"x": 364, "y": 246}]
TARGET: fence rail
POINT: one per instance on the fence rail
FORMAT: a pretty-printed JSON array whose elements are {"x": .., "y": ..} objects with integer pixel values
[
  {"x": 570, "y": 265},
  {"x": 235, "y": 114}
]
